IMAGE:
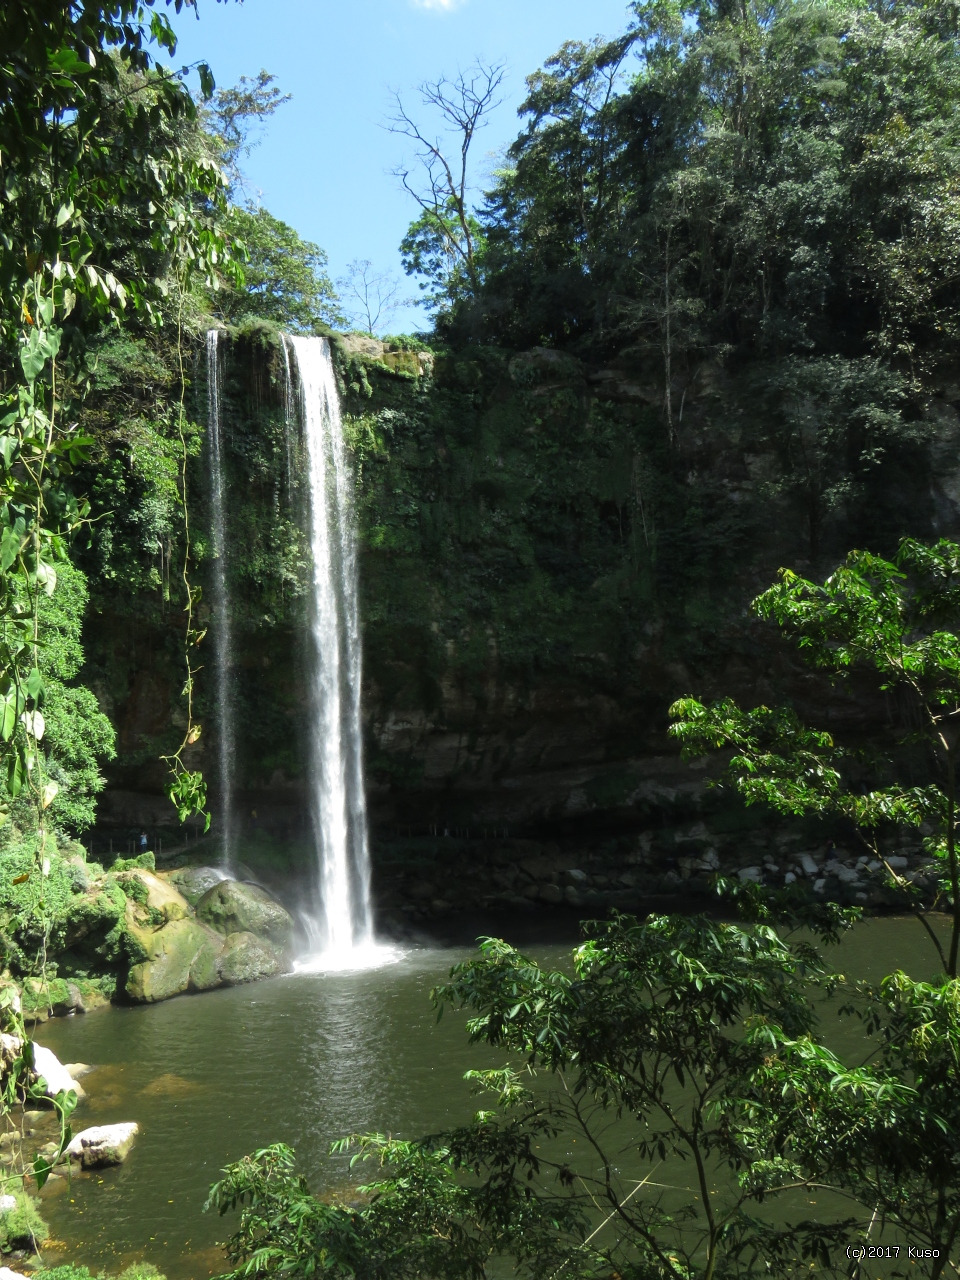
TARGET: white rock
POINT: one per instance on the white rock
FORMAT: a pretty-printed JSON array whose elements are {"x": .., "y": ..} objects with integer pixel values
[
  {"x": 818, "y": 885},
  {"x": 103, "y": 1144},
  {"x": 7, "y": 1274},
  {"x": 7, "y": 1203},
  {"x": 896, "y": 863},
  {"x": 789, "y": 878},
  {"x": 847, "y": 875},
  {"x": 810, "y": 868},
  {"x": 10, "y": 1046},
  {"x": 48, "y": 1065},
  {"x": 753, "y": 874}
]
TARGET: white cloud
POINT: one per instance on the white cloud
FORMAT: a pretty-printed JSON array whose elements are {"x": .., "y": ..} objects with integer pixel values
[{"x": 438, "y": 6}]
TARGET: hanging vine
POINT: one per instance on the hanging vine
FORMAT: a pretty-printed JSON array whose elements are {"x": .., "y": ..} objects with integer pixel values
[{"x": 186, "y": 788}]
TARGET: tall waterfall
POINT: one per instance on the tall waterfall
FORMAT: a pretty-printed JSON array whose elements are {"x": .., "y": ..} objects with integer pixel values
[
  {"x": 222, "y": 628},
  {"x": 340, "y": 923}
]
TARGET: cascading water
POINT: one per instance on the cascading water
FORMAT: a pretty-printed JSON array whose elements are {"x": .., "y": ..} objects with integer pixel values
[
  {"x": 222, "y": 628},
  {"x": 289, "y": 418},
  {"x": 340, "y": 924}
]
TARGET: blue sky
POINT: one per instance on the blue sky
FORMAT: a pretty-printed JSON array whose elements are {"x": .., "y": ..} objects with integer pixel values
[{"x": 323, "y": 162}]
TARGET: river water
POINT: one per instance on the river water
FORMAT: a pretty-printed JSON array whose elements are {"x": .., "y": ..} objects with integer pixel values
[{"x": 303, "y": 1059}]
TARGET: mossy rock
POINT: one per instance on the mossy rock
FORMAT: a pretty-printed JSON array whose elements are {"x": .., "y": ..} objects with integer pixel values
[
  {"x": 193, "y": 882},
  {"x": 182, "y": 956},
  {"x": 157, "y": 895},
  {"x": 402, "y": 362},
  {"x": 42, "y": 998},
  {"x": 21, "y": 1226},
  {"x": 142, "y": 862},
  {"x": 233, "y": 907},
  {"x": 245, "y": 958},
  {"x": 90, "y": 914}
]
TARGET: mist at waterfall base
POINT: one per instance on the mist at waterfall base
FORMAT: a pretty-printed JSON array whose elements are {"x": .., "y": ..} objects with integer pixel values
[{"x": 335, "y": 907}]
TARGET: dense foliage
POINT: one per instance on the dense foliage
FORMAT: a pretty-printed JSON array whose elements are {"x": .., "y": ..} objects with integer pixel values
[{"x": 688, "y": 1058}]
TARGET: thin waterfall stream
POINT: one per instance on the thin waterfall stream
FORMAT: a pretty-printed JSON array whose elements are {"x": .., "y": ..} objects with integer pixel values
[{"x": 223, "y": 659}]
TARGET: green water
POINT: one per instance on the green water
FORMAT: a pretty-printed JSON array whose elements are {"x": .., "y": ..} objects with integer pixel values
[{"x": 303, "y": 1059}]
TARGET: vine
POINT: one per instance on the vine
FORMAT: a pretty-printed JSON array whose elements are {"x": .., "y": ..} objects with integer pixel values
[{"x": 186, "y": 788}]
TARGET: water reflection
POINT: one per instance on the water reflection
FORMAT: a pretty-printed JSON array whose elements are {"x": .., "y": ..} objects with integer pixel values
[{"x": 304, "y": 1060}]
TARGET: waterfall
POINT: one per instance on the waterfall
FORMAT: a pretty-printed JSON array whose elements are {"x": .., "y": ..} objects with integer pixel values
[
  {"x": 221, "y": 628},
  {"x": 289, "y": 416},
  {"x": 340, "y": 921}
]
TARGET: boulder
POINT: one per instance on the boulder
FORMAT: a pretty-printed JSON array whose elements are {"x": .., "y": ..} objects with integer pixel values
[
  {"x": 103, "y": 1144},
  {"x": 156, "y": 894},
  {"x": 7, "y": 1274},
  {"x": 51, "y": 1070},
  {"x": 402, "y": 361},
  {"x": 235, "y": 907},
  {"x": 245, "y": 958},
  {"x": 193, "y": 882},
  {"x": 359, "y": 344},
  {"x": 182, "y": 956},
  {"x": 56, "y": 997}
]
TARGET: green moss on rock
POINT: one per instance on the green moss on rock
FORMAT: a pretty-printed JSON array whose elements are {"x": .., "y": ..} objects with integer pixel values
[
  {"x": 182, "y": 956},
  {"x": 231, "y": 907},
  {"x": 245, "y": 958}
]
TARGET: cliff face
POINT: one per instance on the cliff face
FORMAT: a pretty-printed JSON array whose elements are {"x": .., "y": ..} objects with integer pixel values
[{"x": 545, "y": 566}]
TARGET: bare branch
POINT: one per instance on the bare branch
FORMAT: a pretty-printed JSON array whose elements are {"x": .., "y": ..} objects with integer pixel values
[
  {"x": 460, "y": 106},
  {"x": 370, "y": 296}
]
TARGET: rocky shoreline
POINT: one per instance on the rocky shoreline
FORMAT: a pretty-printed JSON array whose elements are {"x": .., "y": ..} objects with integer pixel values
[
  {"x": 680, "y": 867},
  {"x": 136, "y": 934}
]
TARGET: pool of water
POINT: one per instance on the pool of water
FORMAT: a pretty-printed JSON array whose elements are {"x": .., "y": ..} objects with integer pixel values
[{"x": 303, "y": 1059}]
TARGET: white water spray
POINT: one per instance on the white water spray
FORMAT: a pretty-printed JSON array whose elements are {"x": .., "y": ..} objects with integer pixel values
[
  {"x": 340, "y": 926},
  {"x": 222, "y": 626}
]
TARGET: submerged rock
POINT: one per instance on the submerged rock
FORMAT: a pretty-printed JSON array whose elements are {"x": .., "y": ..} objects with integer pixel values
[
  {"x": 103, "y": 1144},
  {"x": 233, "y": 907},
  {"x": 169, "y": 1085},
  {"x": 245, "y": 958}
]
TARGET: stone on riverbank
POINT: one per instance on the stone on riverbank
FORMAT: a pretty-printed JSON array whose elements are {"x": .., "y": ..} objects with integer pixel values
[
  {"x": 55, "y": 1075},
  {"x": 103, "y": 1145},
  {"x": 234, "y": 907}
]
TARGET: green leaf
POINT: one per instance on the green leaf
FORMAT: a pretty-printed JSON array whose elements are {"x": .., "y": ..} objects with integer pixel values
[{"x": 8, "y": 718}]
